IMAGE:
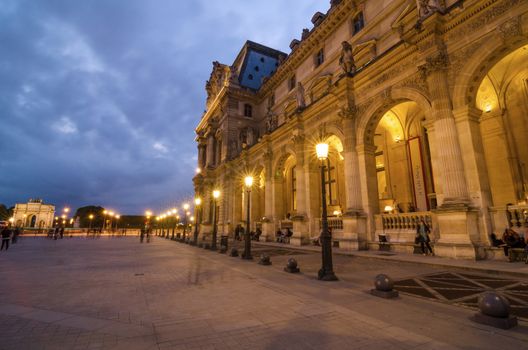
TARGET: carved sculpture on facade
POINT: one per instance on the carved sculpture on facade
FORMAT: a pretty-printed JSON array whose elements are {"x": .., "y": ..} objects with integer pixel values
[
  {"x": 346, "y": 60},
  {"x": 427, "y": 7},
  {"x": 299, "y": 95}
]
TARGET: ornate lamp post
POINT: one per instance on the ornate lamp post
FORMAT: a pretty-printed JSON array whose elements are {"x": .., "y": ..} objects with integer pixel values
[
  {"x": 90, "y": 225},
  {"x": 248, "y": 181},
  {"x": 216, "y": 195},
  {"x": 326, "y": 273},
  {"x": 104, "y": 220},
  {"x": 174, "y": 211},
  {"x": 185, "y": 210},
  {"x": 197, "y": 202},
  {"x": 117, "y": 221}
]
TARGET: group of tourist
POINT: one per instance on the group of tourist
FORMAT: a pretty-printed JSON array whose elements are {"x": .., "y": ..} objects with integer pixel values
[
  {"x": 240, "y": 232},
  {"x": 8, "y": 234},
  {"x": 510, "y": 239}
]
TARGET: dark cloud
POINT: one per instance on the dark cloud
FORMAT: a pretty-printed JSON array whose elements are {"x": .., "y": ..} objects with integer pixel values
[{"x": 99, "y": 99}]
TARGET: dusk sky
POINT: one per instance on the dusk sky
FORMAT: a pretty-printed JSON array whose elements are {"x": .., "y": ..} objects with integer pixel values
[{"x": 99, "y": 99}]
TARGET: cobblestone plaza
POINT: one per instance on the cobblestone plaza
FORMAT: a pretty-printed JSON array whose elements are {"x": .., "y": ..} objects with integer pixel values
[{"x": 115, "y": 293}]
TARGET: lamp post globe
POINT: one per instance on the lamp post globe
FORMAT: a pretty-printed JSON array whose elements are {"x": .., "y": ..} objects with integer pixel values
[
  {"x": 326, "y": 273},
  {"x": 248, "y": 181},
  {"x": 216, "y": 195}
]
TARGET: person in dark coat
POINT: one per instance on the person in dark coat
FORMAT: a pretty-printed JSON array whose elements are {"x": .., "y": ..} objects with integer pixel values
[
  {"x": 422, "y": 234},
  {"x": 5, "y": 232}
]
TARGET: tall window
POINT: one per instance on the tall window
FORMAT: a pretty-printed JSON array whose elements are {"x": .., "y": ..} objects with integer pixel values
[
  {"x": 292, "y": 82},
  {"x": 319, "y": 58},
  {"x": 358, "y": 23},
  {"x": 248, "y": 110},
  {"x": 331, "y": 183},
  {"x": 294, "y": 188}
]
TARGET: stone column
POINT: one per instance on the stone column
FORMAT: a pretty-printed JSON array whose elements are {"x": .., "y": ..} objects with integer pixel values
[
  {"x": 449, "y": 155},
  {"x": 354, "y": 220},
  {"x": 369, "y": 186},
  {"x": 210, "y": 155},
  {"x": 468, "y": 125},
  {"x": 457, "y": 222},
  {"x": 300, "y": 233},
  {"x": 268, "y": 227}
]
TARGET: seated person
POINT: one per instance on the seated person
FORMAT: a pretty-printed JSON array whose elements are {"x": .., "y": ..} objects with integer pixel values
[
  {"x": 495, "y": 242},
  {"x": 287, "y": 236},
  {"x": 279, "y": 236},
  {"x": 256, "y": 235},
  {"x": 512, "y": 240},
  {"x": 316, "y": 240}
]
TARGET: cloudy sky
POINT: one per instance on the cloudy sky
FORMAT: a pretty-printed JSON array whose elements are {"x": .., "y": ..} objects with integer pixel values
[{"x": 99, "y": 98}]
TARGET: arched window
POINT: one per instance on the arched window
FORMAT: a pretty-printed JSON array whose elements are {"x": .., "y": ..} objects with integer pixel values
[
  {"x": 292, "y": 82},
  {"x": 294, "y": 188},
  {"x": 248, "y": 110},
  {"x": 358, "y": 23},
  {"x": 319, "y": 58}
]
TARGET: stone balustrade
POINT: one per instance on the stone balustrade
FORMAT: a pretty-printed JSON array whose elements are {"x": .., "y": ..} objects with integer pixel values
[{"x": 517, "y": 215}]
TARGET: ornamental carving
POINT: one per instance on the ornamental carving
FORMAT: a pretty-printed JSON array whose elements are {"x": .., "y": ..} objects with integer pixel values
[
  {"x": 487, "y": 16},
  {"x": 435, "y": 63},
  {"x": 510, "y": 28}
]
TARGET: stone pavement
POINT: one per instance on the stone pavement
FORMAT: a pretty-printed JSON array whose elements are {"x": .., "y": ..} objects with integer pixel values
[{"x": 114, "y": 293}]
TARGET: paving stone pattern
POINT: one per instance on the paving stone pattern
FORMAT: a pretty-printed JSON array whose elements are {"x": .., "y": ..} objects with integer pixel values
[
  {"x": 115, "y": 293},
  {"x": 464, "y": 289}
]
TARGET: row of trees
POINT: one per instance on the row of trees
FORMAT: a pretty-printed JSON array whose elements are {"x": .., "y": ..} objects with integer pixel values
[
  {"x": 5, "y": 212},
  {"x": 125, "y": 221}
]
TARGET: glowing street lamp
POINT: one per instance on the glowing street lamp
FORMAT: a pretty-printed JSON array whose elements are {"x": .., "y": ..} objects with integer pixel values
[
  {"x": 248, "y": 181},
  {"x": 197, "y": 203},
  {"x": 326, "y": 273},
  {"x": 216, "y": 195},
  {"x": 90, "y": 217}
]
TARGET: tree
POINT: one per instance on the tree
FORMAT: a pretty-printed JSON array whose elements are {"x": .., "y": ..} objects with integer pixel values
[
  {"x": 84, "y": 213},
  {"x": 4, "y": 213}
]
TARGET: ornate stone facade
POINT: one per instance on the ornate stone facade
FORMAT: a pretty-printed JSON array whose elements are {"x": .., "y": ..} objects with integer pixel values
[
  {"x": 34, "y": 213},
  {"x": 423, "y": 104}
]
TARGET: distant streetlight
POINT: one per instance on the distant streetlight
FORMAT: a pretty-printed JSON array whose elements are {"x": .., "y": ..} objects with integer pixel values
[
  {"x": 326, "y": 273},
  {"x": 248, "y": 181},
  {"x": 91, "y": 216}
]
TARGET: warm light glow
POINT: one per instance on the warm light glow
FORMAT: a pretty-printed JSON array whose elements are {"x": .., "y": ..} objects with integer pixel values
[
  {"x": 148, "y": 213},
  {"x": 63, "y": 216},
  {"x": 198, "y": 170},
  {"x": 56, "y": 218},
  {"x": 248, "y": 180},
  {"x": 105, "y": 212},
  {"x": 118, "y": 217},
  {"x": 66, "y": 210},
  {"x": 322, "y": 150},
  {"x": 11, "y": 220},
  {"x": 388, "y": 208},
  {"x": 63, "y": 222},
  {"x": 157, "y": 218},
  {"x": 188, "y": 213},
  {"x": 178, "y": 217},
  {"x": 90, "y": 216},
  {"x": 487, "y": 107},
  {"x": 174, "y": 210},
  {"x": 216, "y": 194},
  {"x": 111, "y": 213},
  {"x": 186, "y": 206},
  {"x": 71, "y": 221},
  {"x": 197, "y": 201},
  {"x": 192, "y": 218}
]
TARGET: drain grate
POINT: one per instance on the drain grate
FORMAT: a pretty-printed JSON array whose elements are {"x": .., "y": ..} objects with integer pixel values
[{"x": 464, "y": 289}]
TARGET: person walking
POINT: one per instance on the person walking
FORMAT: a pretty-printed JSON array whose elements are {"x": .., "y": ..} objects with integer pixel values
[
  {"x": 5, "y": 232},
  {"x": 422, "y": 233}
]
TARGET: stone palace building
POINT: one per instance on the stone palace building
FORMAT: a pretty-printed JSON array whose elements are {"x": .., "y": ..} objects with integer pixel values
[{"x": 424, "y": 105}]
